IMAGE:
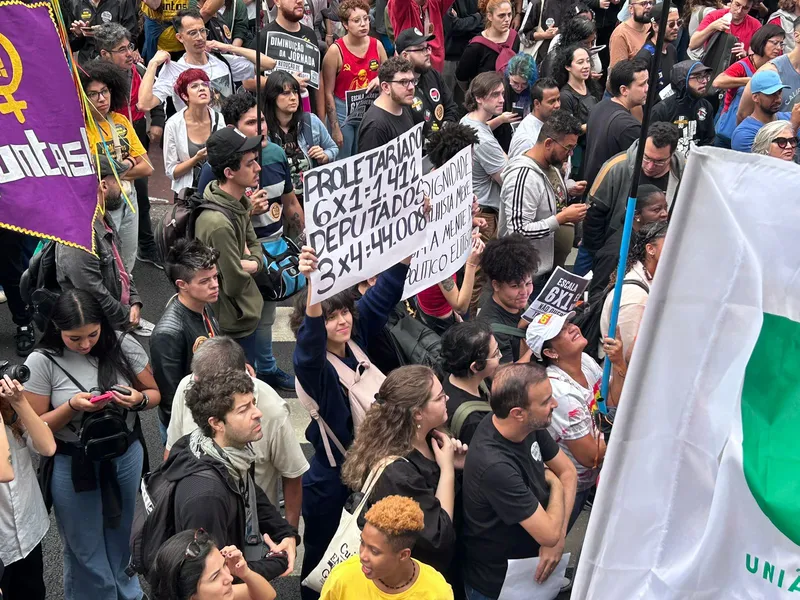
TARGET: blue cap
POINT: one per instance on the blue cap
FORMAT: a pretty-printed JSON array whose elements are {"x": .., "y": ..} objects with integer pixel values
[{"x": 766, "y": 82}]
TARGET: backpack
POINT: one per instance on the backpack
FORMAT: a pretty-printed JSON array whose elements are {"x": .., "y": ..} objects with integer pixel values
[
  {"x": 414, "y": 342},
  {"x": 362, "y": 385},
  {"x": 153, "y": 518},
  {"x": 39, "y": 281},
  {"x": 505, "y": 51},
  {"x": 588, "y": 321},
  {"x": 464, "y": 410},
  {"x": 281, "y": 278},
  {"x": 727, "y": 120},
  {"x": 179, "y": 221}
]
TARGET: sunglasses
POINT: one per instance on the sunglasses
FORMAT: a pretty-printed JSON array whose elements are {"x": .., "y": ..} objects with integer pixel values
[
  {"x": 783, "y": 142},
  {"x": 197, "y": 545}
]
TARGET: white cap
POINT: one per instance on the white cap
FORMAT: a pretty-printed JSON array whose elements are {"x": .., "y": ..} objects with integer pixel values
[{"x": 545, "y": 326}]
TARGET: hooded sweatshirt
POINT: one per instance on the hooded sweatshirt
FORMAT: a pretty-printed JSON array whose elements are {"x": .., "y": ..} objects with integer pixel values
[
  {"x": 528, "y": 206},
  {"x": 238, "y": 308},
  {"x": 693, "y": 116}
]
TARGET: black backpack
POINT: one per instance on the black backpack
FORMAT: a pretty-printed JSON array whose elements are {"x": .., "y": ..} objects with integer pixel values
[
  {"x": 588, "y": 321},
  {"x": 179, "y": 221},
  {"x": 39, "y": 282},
  {"x": 414, "y": 342}
]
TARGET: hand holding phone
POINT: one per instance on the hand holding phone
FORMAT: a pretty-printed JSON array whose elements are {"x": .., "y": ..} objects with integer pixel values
[{"x": 102, "y": 397}]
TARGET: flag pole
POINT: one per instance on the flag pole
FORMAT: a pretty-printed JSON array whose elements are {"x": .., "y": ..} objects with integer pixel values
[
  {"x": 258, "y": 76},
  {"x": 631, "y": 206}
]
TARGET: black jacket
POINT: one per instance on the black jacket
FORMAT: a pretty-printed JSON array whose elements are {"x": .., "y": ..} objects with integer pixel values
[
  {"x": 693, "y": 116},
  {"x": 433, "y": 103},
  {"x": 215, "y": 504},
  {"x": 460, "y": 28},
  {"x": 172, "y": 347},
  {"x": 107, "y": 11}
]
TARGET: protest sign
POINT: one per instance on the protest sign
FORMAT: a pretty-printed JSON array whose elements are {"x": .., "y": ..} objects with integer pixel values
[
  {"x": 448, "y": 237},
  {"x": 559, "y": 295},
  {"x": 48, "y": 187},
  {"x": 294, "y": 55},
  {"x": 364, "y": 213},
  {"x": 358, "y": 101}
]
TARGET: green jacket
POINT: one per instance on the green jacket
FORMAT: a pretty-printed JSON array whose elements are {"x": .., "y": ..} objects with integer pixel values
[
  {"x": 238, "y": 308},
  {"x": 236, "y": 19}
]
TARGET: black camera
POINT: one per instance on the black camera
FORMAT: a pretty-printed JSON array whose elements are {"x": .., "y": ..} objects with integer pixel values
[{"x": 19, "y": 372}]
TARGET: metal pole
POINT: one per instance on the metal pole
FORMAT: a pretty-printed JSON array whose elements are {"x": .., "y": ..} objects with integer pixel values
[
  {"x": 631, "y": 206},
  {"x": 258, "y": 74}
]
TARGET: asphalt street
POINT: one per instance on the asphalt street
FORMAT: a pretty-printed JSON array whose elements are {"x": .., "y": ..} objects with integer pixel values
[{"x": 156, "y": 291}]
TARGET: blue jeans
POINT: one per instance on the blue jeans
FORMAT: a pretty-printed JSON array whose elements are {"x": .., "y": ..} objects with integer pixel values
[
  {"x": 349, "y": 133},
  {"x": 583, "y": 262},
  {"x": 264, "y": 359},
  {"x": 95, "y": 557},
  {"x": 162, "y": 429},
  {"x": 248, "y": 344},
  {"x": 473, "y": 594},
  {"x": 152, "y": 31}
]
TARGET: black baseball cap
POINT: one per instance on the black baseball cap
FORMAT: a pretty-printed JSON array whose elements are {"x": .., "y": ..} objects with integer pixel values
[
  {"x": 229, "y": 140},
  {"x": 107, "y": 167},
  {"x": 411, "y": 37}
]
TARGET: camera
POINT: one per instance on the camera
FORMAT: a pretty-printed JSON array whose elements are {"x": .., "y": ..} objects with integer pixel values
[{"x": 19, "y": 372}]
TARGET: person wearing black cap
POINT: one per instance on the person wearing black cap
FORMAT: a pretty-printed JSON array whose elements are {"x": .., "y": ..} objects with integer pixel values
[
  {"x": 433, "y": 103},
  {"x": 234, "y": 160},
  {"x": 687, "y": 107},
  {"x": 103, "y": 274}
]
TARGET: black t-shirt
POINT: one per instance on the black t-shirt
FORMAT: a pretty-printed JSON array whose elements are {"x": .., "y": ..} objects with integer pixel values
[
  {"x": 478, "y": 59},
  {"x": 379, "y": 127},
  {"x": 492, "y": 312},
  {"x": 504, "y": 484},
  {"x": 455, "y": 398},
  {"x": 660, "y": 182},
  {"x": 668, "y": 60},
  {"x": 611, "y": 129}
]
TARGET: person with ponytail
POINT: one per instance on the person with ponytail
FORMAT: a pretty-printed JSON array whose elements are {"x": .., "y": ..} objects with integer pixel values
[
  {"x": 483, "y": 52},
  {"x": 404, "y": 422},
  {"x": 80, "y": 357}
]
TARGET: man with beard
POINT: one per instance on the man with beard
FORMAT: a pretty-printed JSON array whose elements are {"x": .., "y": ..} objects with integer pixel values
[
  {"x": 629, "y": 37},
  {"x": 669, "y": 53},
  {"x": 390, "y": 115},
  {"x": 513, "y": 506},
  {"x": 433, "y": 101},
  {"x": 687, "y": 107},
  {"x": 767, "y": 89},
  {"x": 534, "y": 195},
  {"x": 103, "y": 274}
]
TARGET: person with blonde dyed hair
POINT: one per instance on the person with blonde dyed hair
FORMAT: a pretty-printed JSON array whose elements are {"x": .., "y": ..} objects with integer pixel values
[
  {"x": 492, "y": 49},
  {"x": 384, "y": 565},
  {"x": 777, "y": 139}
]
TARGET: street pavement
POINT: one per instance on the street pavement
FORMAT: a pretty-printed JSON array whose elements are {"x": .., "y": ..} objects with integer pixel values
[{"x": 155, "y": 291}]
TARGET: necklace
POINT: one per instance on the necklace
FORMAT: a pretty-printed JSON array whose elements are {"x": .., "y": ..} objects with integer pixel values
[{"x": 402, "y": 585}]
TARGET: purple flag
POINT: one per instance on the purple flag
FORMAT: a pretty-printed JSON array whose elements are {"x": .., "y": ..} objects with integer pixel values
[{"x": 48, "y": 186}]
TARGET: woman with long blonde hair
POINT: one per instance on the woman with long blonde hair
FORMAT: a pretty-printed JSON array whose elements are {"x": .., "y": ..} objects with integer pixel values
[
  {"x": 483, "y": 51},
  {"x": 403, "y": 423}
]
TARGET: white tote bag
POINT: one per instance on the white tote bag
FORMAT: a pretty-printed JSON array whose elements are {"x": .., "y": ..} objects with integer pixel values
[{"x": 347, "y": 540}]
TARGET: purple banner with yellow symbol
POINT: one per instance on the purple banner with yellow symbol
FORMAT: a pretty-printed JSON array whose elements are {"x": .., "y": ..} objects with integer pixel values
[{"x": 48, "y": 187}]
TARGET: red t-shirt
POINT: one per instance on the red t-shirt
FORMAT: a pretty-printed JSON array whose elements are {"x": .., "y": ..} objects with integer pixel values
[
  {"x": 356, "y": 71},
  {"x": 736, "y": 70},
  {"x": 743, "y": 31}
]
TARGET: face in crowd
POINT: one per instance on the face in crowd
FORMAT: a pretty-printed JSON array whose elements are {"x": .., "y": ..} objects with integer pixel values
[
  {"x": 121, "y": 54},
  {"x": 637, "y": 91},
  {"x": 419, "y": 56},
  {"x": 656, "y": 161},
  {"x": 401, "y": 88},
  {"x": 494, "y": 102},
  {"x": 357, "y": 23},
  {"x": 292, "y": 10},
  {"x": 739, "y": 9},
  {"x": 769, "y": 103},
  {"x": 640, "y": 10},
  {"x": 193, "y": 35},
  {"x": 551, "y": 101},
  {"x": 513, "y": 296},
  {"x": 558, "y": 151},
  {"x": 242, "y": 424},
  {"x": 203, "y": 287},
  {"x": 499, "y": 19}
]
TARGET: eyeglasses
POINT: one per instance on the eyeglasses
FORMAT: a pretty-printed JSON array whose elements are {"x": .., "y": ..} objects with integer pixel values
[
  {"x": 569, "y": 149},
  {"x": 778, "y": 43},
  {"x": 197, "y": 545},
  {"x": 424, "y": 49},
  {"x": 701, "y": 77},
  {"x": 196, "y": 85},
  {"x": 643, "y": 3},
  {"x": 497, "y": 354},
  {"x": 197, "y": 33},
  {"x": 406, "y": 83},
  {"x": 359, "y": 20},
  {"x": 677, "y": 23},
  {"x": 654, "y": 162},
  {"x": 124, "y": 49},
  {"x": 783, "y": 142},
  {"x": 105, "y": 92}
]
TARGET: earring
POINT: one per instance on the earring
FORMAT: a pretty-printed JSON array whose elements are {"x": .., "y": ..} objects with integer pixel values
[
  {"x": 638, "y": 220},
  {"x": 419, "y": 426}
]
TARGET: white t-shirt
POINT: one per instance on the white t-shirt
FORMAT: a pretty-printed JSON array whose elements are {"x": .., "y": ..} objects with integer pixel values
[
  {"x": 222, "y": 77},
  {"x": 278, "y": 453},
  {"x": 525, "y": 136},
  {"x": 488, "y": 158},
  {"x": 572, "y": 418}
]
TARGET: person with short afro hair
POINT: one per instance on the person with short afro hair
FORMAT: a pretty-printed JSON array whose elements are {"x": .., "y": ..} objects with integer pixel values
[
  {"x": 509, "y": 264},
  {"x": 384, "y": 565}
]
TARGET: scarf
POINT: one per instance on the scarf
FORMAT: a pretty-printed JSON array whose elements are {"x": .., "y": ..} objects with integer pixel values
[{"x": 237, "y": 460}]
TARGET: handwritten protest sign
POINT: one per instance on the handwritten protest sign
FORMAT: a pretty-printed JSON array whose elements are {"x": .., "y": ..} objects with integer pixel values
[
  {"x": 294, "y": 55},
  {"x": 448, "y": 237},
  {"x": 559, "y": 295},
  {"x": 357, "y": 102},
  {"x": 364, "y": 213}
]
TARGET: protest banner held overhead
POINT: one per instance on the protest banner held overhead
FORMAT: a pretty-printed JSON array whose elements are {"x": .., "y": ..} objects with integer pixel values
[
  {"x": 365, "y": 213},
  {"x": 48, "y": 186},
  {"x": 698, "y": 497},
  {"x": 448, "y": 237},
  {"x": 294, "y": 55},
  {"x": 559, "y": 295}
]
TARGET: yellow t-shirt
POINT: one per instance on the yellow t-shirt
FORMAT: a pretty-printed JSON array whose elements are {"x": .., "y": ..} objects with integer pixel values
[
  {"x": 347, "y": 582},
  {"x": 128, "y": 140},
  {"x": 164, "y": 14}
]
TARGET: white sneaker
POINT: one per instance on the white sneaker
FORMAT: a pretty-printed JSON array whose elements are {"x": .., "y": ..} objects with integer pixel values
[{"x": 144, "y": 329}]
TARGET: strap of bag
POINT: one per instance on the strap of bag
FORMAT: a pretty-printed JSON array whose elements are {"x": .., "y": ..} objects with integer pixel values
[
  {"x": 637, "y": 283},
  {"x": 508, "y": 330},
  {"x": 372, "y": 479},
  {"x": 465, "y": 410},
  {"x": 346, "y": 375},
  {"x": 325, "y": 431},
  {"x": 67, "y": 373}
]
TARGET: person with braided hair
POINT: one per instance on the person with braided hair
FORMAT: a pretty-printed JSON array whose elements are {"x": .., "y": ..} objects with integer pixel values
[
  {"x": 384, "y": 566},
  {"x": 645, "y": 252}
]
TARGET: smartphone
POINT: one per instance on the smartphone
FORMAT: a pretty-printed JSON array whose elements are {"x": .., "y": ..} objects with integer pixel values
[
  {"x": 281, "y": 554},
  {"x": 120, "y": 390},
  {"x": 101, "y": 397}
]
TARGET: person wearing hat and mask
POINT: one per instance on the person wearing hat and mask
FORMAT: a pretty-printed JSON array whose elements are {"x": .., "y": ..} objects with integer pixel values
[
  {"x": 433, "y": 102},
  {"x": 575, "y": 378},
  {"x": 767, "y": 89},
  {"x": 687, "y": 107},
  {"x": 234, "y": 161}
]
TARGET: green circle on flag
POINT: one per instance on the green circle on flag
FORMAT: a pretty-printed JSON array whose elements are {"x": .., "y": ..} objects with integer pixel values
[{"x": 771, "y": 423}]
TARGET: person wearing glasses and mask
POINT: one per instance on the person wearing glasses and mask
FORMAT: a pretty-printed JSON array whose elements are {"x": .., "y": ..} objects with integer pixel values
[
  {"x": 687, "y": 107},
  {"x": 776, "y": 139},
  {"x": 629, "y": 37},
  {"x": 390, "y": 115}
]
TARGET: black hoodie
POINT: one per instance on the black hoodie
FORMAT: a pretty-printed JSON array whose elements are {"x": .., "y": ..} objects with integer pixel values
[
  {"x": 693, "y": 116},
  {"x": 215, "y": 504}
]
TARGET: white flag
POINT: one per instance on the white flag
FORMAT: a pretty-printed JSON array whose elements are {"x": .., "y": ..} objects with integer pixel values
[{"x": 699, "y": 497}]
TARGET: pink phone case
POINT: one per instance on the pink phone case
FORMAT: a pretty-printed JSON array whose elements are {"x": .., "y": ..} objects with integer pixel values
[{"x": 101, "y": 397}]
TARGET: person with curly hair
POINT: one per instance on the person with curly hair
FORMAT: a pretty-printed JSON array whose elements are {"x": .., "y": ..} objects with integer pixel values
[
  {"x": 106, "y": 86},
  {"x": 580, "y": 30},
  {"x": 384, "y": 565},
  {"x": 508, "y": 264}
]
